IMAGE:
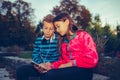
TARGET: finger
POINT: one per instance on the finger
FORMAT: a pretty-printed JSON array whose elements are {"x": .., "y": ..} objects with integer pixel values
[
  {"x": 48, "y": 64},
  {"x": 41, "y": 69},
  {"x": 35, "y": 67}
]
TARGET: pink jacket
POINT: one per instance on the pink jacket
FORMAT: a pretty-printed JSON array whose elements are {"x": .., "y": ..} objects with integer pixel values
[{"x": 81, "y": 50}]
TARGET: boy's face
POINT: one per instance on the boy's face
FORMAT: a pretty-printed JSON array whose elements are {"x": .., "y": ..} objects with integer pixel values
[{"x": 48, "y": 29}]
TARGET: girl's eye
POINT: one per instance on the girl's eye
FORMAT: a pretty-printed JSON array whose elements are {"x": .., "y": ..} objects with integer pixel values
[{"x": 57, "y": 26}]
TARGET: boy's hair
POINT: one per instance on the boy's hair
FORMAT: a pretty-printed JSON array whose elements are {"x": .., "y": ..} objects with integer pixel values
[{"x": 48, "y": 18}]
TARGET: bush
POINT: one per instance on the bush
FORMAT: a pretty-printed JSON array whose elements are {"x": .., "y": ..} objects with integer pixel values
[
  {"x": 15, "y": 49},
  {"x": 109, "y": 67}
]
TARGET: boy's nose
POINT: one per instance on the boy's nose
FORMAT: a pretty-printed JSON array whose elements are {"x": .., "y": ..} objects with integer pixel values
[{"x": 48, "y": 30}]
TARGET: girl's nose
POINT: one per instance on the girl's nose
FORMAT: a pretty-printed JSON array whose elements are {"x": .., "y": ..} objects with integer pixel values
[{"x": 57, "y": 30}]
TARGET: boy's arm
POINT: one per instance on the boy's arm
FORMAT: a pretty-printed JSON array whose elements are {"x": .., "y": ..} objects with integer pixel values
[{"x": 36, "y": 52}]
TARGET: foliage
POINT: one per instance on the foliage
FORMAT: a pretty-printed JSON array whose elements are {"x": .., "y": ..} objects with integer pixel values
[
  {"x": 78, "y": 12},
  {"x": 98, "y": 33},
  {"x": 16, "y": 25},
  {"x": 15, "y": 49},
  {"x": 118, "y": 31},
  {"x": 117, "y": 45},
  {"x": 39, "y": 28},
  {"x": 105, "y": 39}
]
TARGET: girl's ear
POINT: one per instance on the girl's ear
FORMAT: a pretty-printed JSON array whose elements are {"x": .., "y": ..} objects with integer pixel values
[{"x": 67, "y": 21}]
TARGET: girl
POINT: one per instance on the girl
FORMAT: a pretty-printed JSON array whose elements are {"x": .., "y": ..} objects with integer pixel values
[{"x": 78, "y": 52}]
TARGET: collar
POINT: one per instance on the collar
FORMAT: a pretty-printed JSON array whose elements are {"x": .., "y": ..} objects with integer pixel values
[
  {"x": 73, "y": 36},
  {"x": 51, "y": 38}
]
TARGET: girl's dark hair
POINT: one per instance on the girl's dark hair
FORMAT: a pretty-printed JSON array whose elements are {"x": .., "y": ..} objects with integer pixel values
[
  {"x": 72, "y": 26},
  {"x": 62, "y": 17}
]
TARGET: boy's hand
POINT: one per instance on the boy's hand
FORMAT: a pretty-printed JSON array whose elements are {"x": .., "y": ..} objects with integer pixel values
[{"x": 41, "y": 68}]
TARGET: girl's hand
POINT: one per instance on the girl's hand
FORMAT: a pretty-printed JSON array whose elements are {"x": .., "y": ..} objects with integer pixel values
[
  {"x": 69, "y": 64},
  {"x": 48, "y": 65}
]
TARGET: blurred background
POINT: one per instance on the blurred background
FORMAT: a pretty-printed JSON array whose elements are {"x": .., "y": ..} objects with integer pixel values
[{"x": 21, "y": 23}]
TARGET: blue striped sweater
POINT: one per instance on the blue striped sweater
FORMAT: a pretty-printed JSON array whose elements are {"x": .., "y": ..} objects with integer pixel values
[{"x": 45, "y": 50}]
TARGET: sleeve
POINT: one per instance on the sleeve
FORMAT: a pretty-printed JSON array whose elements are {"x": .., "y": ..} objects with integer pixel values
[
  {"x": 63, "y": 58},
  {"x": 36, "y": 52},
  {"x": 89, "y": 56}
]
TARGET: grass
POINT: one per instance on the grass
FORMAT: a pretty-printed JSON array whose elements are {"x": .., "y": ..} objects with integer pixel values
[{"x": 26, "y": 55}]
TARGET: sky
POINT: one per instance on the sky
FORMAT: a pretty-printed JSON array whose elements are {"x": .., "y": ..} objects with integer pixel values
[{"x": 109, "y": 10}]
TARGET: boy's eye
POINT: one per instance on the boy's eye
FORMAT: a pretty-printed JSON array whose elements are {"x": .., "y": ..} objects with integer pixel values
[
  {"x": 51, "y": 28},
  {"x": 45, "y": 28}
]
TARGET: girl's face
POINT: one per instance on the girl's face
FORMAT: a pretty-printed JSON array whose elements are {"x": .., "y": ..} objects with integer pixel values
[{"x": 62, "y": 27}]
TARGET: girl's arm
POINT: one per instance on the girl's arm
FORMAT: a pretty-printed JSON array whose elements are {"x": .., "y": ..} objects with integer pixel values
[
  {"x": 89, "y": 56},
  {"x": 64, "y": 58}
]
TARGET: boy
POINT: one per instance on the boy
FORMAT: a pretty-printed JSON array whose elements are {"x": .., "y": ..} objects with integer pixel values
[{"x": 45, "y": 50}]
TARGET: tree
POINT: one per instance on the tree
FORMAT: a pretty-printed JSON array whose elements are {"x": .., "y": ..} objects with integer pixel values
[
  {"x": 118, "y": 31},
  {"x": 117, "y": 39},
  {"x": 24, "y": 14},
  {"x": 6, "y": 23},
  {"x": 98, "y": 33},
  {"x": 78, "y": 12},
  {"x": 105, "y": 39},
  {"x": 39, "y": 28},
  {"x": 16, "y": 23},
  {"x": 109, "y": 48}
]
